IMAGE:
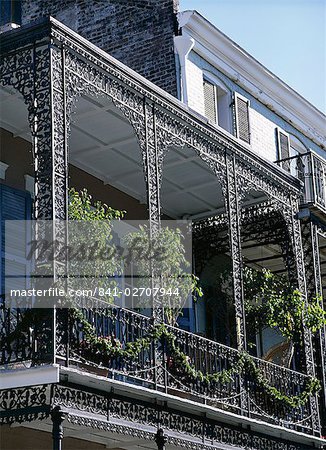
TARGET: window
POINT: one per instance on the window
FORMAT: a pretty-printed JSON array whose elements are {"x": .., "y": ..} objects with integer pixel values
[
  {"x": 216, "y": 101},
  {"x": 10, "y": 12},
  {"x": 241, "y": 105},
  {"x": 297, "y": 164},
  {"x": 283, "y": 149},
  {"x": 15, "y": 205}
]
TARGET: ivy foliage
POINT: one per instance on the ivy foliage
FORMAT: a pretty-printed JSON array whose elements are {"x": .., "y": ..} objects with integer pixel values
[
  {"x": 81, "y": 207},
  {"x": 271, "y": 301}
]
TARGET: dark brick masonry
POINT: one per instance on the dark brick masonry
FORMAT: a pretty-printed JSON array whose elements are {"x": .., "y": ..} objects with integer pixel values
[{"x": 137, "y": 32}]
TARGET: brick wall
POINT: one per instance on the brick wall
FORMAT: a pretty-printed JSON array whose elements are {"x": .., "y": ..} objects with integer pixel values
[
  {"x": 137, "y": 32},
  {"x": 195, "y": 87},
  {"x": 263, "y": 135}
]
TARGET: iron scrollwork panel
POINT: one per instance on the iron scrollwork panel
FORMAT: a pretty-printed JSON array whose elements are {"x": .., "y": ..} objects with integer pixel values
[
  {"x": 34, "y": 74},
  {"x": 293, "y": 223},
  {"x": 24, "y": 404},
  {"x": 233, "y": 193},
  {"x": 141, "y": 419},
  {"x": 310, "y": 243},
  {"x": 233, "y": 211}
]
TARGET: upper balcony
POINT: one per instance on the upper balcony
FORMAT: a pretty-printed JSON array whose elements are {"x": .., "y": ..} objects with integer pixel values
[{"x": 310, "y": 168}]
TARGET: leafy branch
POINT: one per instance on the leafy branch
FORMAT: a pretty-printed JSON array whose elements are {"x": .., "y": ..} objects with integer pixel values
[
  {"x": 162, "y": 257},
  {"x": 271, "y": 301}
]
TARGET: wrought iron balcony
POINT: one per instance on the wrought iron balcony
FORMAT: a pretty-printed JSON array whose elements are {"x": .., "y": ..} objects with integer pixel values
[
  {"x": 48, "y": 62},
  {"x": 176, "y": 362},
  {"x": 310, "y": 168}
]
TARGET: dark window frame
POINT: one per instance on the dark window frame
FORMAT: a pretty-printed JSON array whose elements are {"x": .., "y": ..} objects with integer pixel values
[{"x": 10, "y": 12}]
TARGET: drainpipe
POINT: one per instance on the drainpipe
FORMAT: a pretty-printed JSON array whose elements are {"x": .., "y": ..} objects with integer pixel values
[{"x": 183, "y": 45}]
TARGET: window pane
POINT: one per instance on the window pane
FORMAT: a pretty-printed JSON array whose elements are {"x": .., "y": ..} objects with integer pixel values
[{"x": 10, "y": 11}]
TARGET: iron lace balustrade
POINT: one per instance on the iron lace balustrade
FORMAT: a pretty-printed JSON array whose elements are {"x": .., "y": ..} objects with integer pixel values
[
  {"x": 26, "y": 336},
  {"x": 204, "y": 356},
  {"x": 113, "y": 326},
  {"x": 310, "y": 168},
  {"x": 77, "y": 332}
]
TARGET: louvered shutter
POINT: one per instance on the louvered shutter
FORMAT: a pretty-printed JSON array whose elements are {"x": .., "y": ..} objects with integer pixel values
[
  {"x": 283, "y": 142},
  {"x": 210, "y": 101},
  {"x": 14, "y": 205},
  {"x": 242, "y": 118}
]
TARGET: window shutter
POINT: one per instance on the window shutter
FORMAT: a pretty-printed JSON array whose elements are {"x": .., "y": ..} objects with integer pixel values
[
  {"x": 283, "y": 143},
  {"x": 210, "y": 100},
  {"x": 242, "y": 118},
  {"x": 14, "y": 205}
]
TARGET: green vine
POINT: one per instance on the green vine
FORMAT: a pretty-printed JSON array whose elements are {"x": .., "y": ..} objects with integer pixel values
[
  {"x": 110, "y": 348},
  {"x": 245, "y": 365}
]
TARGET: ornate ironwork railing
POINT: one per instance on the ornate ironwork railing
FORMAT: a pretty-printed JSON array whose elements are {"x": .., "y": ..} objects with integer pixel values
[
  {"x": 122, "y": 344},
  {"x": 310, "y": 168}
]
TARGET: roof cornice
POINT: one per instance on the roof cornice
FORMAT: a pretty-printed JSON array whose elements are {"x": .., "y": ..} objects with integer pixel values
[{"x": 245, "y": 70}]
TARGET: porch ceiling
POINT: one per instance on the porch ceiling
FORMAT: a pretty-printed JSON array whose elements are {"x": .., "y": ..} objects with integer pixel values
[
  {"x": 76, "y": 434},
  {"x": 104, "y": 144}
]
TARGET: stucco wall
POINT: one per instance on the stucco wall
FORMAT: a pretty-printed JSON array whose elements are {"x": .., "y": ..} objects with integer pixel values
[
  {"x": 137, "y": 32},
  {"x": 195, "y": 87}
]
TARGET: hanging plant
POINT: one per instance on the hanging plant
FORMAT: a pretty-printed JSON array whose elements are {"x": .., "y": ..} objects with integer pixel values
[
  {"x": 94, "y": 259},
  {"x": 270, "y": 301},
  {"x": 160, "y": 259}
]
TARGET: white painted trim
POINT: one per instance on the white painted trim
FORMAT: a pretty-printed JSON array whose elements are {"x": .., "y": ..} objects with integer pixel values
[
  {"x": 108, "y": 385},
  {"x": 209, "y": 81},
  {"x": 183, "y": 45},
  {"x": 8, "y": 26},
  {"x": 223, "y": 53},
  {"x": 30, "y": 184},
  {"x": 242, "y": 97},
  {"x": 297, "y": 144},
  {"x": 278, "y": 131},
  {"x": 32, "y": 376},
  {"x": 3, "y": 168},
  {"x": 215, "y": 80},
  {"x": 220, "y": 85}
]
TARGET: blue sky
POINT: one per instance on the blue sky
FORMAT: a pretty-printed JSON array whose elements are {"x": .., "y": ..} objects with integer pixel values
[{"x": 287, "y": 36}]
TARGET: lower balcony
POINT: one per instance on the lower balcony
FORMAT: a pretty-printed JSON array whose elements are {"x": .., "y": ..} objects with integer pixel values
[{"x": 118, "y": 344}]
